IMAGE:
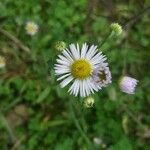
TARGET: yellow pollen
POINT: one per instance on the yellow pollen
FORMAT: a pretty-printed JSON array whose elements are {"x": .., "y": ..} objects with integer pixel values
[
  {"x": 81, "y": 69},
  {"x": 30, "y": 28}
]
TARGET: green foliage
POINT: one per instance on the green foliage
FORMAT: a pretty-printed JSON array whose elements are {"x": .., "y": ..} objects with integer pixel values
[{"x": 33, "y": 107}]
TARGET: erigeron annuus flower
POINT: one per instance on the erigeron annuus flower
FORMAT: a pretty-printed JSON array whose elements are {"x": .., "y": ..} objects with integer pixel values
[
  {"x": 102, "y": 75},
  {"x": 2, "y": 62},
  {"x": 31, "y": 28},
  {"x": 128, "y": 84},
  {"x": 76, "y": 66}
]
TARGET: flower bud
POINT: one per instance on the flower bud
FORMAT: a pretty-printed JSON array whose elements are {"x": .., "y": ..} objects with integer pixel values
[
  {"x": 125, "y": 124},
  {"x": 116, "y": 28},
  {"x": 60, "y": 46},
  {"x": 89, "y": 102},
  {"x": 128, "y": 84}
]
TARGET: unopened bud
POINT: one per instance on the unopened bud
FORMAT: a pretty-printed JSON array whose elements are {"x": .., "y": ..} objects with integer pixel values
[
  {"x": 60, "y": 45},
  {"x": 89, "y": 102},
  {"x": 116, "y": 28}
]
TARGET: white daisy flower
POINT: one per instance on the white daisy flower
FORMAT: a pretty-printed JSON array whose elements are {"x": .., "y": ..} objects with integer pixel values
[
  {"x": 2, "y": 62},
  {"x": 102, "y": 75},
  {"x": 128, "y": 84},
  {"x": 76, "y": 66},
  {"x": 31, "y": 28}
]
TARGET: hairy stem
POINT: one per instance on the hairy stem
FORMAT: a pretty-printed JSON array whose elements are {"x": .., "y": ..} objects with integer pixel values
[
  {"x": 106, "y": 39},
  {"x": 77, "y": 124},
  {"x": 15, "y": 40}
]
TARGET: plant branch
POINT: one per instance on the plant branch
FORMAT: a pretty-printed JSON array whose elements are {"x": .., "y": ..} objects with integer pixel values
[
  {"x": 15, "y": 40},
  {"x": 133, "y": 117},
  {"x": 78, "y": 125},
  {"x": 136, "y": 17},
  {"x": 106, "y": 38},
  {"x": 8, "y": 128}
]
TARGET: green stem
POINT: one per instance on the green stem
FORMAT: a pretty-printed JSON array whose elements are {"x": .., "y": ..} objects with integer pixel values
[
  {"x": 79, "y": 127},
  {"x": 8, "y": 128},
  {"x": 125, "y": 52},
  {"x": 128, "y": 111},
  {"x": 106, "y": 39},
  {"x": 11, "y": 105}
]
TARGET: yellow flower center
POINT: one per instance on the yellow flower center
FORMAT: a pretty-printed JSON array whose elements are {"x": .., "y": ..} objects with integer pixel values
[
  {"x": 81, "y": 69},
  {"x": 30, "y": 28}
]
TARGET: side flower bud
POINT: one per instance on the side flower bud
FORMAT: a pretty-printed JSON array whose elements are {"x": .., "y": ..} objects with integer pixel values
[
  {"x": 116, "y": 28},
  {"x": 89, "y": 102},
  {"x": 128, "y": 84},
  {"x": 60, "y": 46}
]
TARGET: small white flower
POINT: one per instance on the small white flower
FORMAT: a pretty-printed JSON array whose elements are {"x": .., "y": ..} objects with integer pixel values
[
  {"x": 76, "y": 66},
  {"x": 97, "y": 141},
  {"x": 102, "y": 75},
  {"x": 31, "y": 28},
  {"x": 2, "y": 62},
  {"x": 128, "y": 84}
]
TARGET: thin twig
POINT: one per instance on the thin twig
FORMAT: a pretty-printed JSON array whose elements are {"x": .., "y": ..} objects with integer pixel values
[
  {"x": 15, "y": 40},
  {"x": 18, "y": 143},
  {"x": 136, "y": 17}
]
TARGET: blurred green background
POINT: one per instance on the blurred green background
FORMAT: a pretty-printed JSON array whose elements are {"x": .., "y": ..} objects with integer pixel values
[{"x": 35, "y": 113}]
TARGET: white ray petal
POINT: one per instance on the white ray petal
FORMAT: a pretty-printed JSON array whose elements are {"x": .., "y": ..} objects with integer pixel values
[
  {"x": 91, "y": 52},
  {"x": 74, "y": 51},
  {"x": 74, "y": 89},
  {"x": 84, "y": 50},
  {"x": 64, "y": 76},
  {"x": 83, "y": 88},
  {"x": 87, "y": 90},
  {"x": 62, "y": 62},
  {"x": 80, "y": 85},
  {"x": 66, "y": 81},
  {"x": 62, "y": 71},
  {"x": 68, "y": 55},
  {"x": 63, "y": 58},
  {"x": 59, "y": 66}
]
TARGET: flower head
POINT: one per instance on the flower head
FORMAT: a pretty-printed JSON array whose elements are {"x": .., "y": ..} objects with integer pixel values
[
  {"x": 116, "y": 28},
  {"x": 60, "y": 46},
  {"x": 128, "y": 84},
  {"x": 76, "y": 66},
  {"x": 102, "y": 75},
  {"x": 2, "y": 62},
  {"x": 97, "y": 141},
  {"x": 31, "y": 28},
  {"x": 89, "y": 102}
]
